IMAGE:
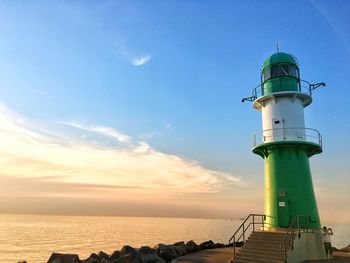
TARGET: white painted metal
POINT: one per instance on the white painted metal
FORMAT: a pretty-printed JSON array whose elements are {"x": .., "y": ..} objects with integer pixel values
[{"x": 283, "y": 119}]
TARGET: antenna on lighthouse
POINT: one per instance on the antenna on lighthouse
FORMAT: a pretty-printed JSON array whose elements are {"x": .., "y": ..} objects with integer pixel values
[{"x": 278, "y": 48}]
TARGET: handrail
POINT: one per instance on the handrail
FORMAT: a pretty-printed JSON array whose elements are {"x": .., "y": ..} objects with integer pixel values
[
  {"x": 245, "y": 228},
  {"x": 258, "y": 91},
  {"x": 288, "y": 134},
  {"x": 295, "y": 226}
]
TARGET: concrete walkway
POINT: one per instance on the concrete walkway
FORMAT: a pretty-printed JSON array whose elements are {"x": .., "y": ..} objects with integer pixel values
[
  {"x": 216, "y": 255},
  {"x": 338, "y": 257},
  {"x": 224, "y": 255}
]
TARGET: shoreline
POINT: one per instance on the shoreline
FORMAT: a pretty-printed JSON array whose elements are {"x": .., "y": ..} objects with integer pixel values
[{"x": 162, "y": 253}]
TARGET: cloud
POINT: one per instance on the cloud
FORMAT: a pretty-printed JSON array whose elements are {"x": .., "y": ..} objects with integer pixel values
[
  {"x": 139, "y": 61},
  {"x": 107, "y": 131},
  {"x": 60, "y": 166}
]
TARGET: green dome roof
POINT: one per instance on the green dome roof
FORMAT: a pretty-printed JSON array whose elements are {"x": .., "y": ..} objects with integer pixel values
[{"x": 279, "y": 57}]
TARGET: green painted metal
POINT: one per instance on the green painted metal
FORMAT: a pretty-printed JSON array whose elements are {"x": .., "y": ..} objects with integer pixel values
[
  {"x": 288, "y": 183},
  {"x": 279, "y": 57},
  {"x": 288, "y": 175},
  {"x": 280, "y": 84},
  {"x": 288, "y": 179},
  {"x": 276, "y": 79}
]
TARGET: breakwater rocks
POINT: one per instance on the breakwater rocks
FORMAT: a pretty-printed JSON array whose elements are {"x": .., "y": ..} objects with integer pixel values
[{"x": 159, "y": 254}]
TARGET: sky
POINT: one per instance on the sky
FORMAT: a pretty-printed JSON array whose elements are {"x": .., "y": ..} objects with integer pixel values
[{"x": 134, "y": 107}]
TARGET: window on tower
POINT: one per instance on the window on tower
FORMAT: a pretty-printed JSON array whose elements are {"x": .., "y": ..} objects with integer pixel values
[{"x": 280, "y": 70}]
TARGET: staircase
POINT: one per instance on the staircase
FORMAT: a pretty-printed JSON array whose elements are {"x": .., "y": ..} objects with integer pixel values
[
  {"x": 262, "y": 246},
  {"x": 266, "y": 246}
]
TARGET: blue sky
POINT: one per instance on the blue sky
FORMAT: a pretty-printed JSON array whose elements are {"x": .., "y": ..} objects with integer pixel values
[{"x": 169, "y": 75}]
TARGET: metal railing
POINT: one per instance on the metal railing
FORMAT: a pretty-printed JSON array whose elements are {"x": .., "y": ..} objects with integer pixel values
[
  {"x": 299, "y": 224},
  {"x": 258, "y": 91},
  {"x": 287, "y": 134},
  {"x": 241, "y": 231}
]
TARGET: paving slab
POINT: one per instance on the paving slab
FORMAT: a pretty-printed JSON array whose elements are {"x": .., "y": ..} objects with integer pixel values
[
  {"x": 216, "y": 255},
  {"x": 338, "y": 257}
]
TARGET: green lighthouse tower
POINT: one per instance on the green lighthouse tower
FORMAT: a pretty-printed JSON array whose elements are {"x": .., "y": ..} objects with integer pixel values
[{"x": 285, "y": 143}]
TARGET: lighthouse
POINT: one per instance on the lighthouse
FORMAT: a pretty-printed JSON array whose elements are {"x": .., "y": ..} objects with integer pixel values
[
  {"x": 290, "y": 226},
  {"x": 285, "y": 143}
]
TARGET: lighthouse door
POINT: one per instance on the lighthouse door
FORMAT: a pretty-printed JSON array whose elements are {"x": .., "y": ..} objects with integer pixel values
[
  {"x": 283, "y": 211},
  {"x": 277, "y": 128}
]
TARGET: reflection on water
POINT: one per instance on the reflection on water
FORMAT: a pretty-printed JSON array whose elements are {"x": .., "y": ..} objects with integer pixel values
[{"x": 34, "y": 237}]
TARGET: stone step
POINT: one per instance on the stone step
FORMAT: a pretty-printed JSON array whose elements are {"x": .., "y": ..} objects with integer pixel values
[
  {"x": 263, "y": 250},
  {"x": 265, "y": 237},
  {"x": 262, "y": 247},
  {"x": 256, "y": 243},
  {"x": 261, "y": 253}
]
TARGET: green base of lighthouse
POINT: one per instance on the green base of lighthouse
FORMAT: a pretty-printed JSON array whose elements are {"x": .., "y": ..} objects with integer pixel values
[{"x": 288, "y": 184}]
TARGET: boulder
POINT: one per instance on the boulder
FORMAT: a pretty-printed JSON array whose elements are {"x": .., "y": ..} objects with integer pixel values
[
  {"x": 345, "y": 249},
  {"x": 151, "y": 258},
  {"x": 239, "y": 244},
  {"x": 218, "y": 245},
  {"x": 114, "y": 255},
  {"x": 166, "y": 252},
  {"x": 146, "y": 250},
  {"x": 93, "y": 258},
  {"x": 23, "y": 261},
  {"x": 63, "y": 258},
  {"x": 181, "y": 243},
  {"x": 180, "y": 250},
  {"x": 128, "y": 258},
  {"x": 191, "y": 246},
  {"x": 128, "y": 250},
  {"x": 104, "y": 255},
  {"x": 207, "y": 245}
]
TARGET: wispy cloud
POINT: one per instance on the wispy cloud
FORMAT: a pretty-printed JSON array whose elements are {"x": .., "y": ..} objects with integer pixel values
[
  {"x": 139, "y": 61},
  {"x": 135, "y": 171},
  {"x": 107, "y": 131}
]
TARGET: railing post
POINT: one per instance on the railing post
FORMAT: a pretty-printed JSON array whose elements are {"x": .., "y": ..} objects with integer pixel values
[
  {"x": 234, "y": 246},
  {"x": 263, "y": 219},
  {"x": 243, "y": 234},
  {"x": 253, "y": 224}
]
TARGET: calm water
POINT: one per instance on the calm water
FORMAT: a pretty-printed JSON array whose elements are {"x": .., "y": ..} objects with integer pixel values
[{"x": 34, "y": 237}]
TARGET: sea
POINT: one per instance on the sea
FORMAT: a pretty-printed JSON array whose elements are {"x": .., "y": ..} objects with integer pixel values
[{"x": 35, "y": 237}]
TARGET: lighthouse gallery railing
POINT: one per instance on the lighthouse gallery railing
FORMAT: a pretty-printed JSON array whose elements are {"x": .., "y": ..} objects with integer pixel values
[
  {"x": 287, "y": 134},
  {"x": 303, "y": 87}
]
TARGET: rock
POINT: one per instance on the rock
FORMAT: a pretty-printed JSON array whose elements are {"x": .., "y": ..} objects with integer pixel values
[
  {"x": 104, "y": 255},
  {"x": 23, "y": 261},
  {"x": 345, "y": 249},
  {"x": 160, "y": 260},
  {"x": 151, "y": 258},
  {"x": 166, "y": 252},
  {"x": 207, "y": 245},
  {"x": 218, "y": 245},
  {"x": 128, "y": 258},
  {"x": 181, "y": 243},
  {"x": 180, "y": 250},
  {"x": 63, "y": 258},
  {"x": 191, "y": 246},
  {"x": 93, "y": 258},
  {"x": 239, "y": 244},
  {"x": 128, "y": 250},
  {"x": 114, "y": 255},
  {"x": 145, "y": 250}
]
